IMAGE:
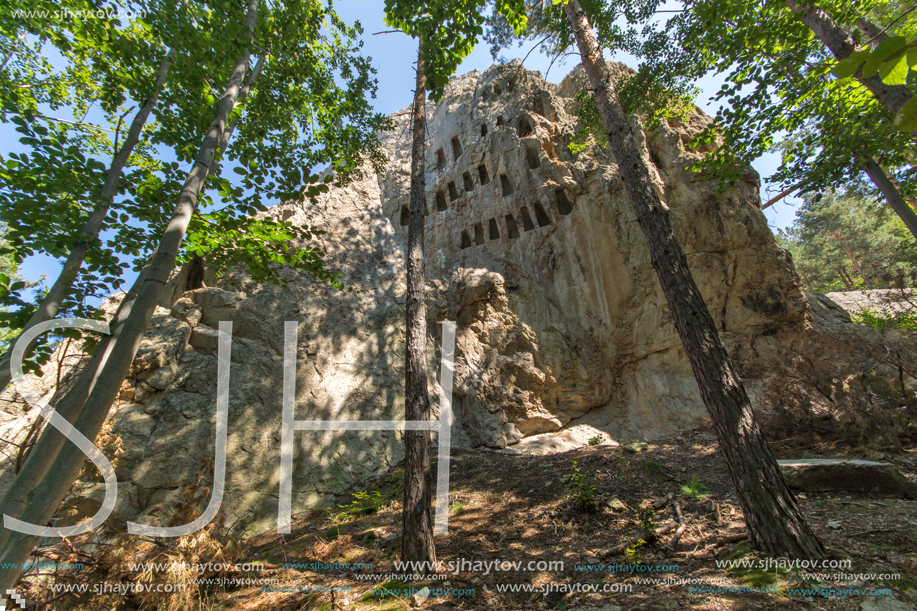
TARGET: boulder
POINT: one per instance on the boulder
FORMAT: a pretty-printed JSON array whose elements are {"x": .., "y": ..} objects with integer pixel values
[{"x": 839, "y": 475}]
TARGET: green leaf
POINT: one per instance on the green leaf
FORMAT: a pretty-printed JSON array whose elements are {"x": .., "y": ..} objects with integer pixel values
[
  {"x": 883, "y": 53},
  {"x": 845, "y": 68},
  {"x": 894, "y": 72},
  {"x": 912, "y": 55},
  {"x": 848, "y": 66},
  {"x": 906, "y": 119}
]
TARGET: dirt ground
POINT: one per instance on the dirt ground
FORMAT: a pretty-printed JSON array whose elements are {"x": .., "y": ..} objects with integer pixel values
[{"x": 505, "y": 507}]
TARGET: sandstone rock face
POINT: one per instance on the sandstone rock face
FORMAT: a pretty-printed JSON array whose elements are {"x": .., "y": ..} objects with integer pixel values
[{"x": 535, "y": 253}]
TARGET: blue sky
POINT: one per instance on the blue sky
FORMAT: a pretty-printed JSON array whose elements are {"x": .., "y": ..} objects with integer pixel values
[{"x": 393, "y": 56}]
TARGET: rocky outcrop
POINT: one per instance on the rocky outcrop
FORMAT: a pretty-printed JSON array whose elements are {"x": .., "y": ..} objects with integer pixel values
[
  {"x": 883, "y": 302},
  {"x": 534, "y": 251}
]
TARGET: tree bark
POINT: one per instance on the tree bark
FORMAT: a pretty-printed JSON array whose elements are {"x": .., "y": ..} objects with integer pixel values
[
  {"x": 781, "y": 195},
  {"x": 63, "y": 286},
  {"x": 111, "y": 362},
  {"x": 841, "y": 45},
  {"x": 892, "y": 195},
  {"x": 845, "y": 278},
  {"x": 417, "y": 518},
  {"x": 872, "y": 33},
  {"x": 775, "y": 523},
  {"x": 856, "y": 264}
]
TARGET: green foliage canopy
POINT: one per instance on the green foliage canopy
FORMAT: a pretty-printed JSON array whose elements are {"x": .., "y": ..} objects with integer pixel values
[
  {"x": 448, "y": 31},
  {"x": 827, "y": 232}
]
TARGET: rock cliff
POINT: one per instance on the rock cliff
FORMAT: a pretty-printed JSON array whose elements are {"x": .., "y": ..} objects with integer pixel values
[{"x": 535, "y": 253}]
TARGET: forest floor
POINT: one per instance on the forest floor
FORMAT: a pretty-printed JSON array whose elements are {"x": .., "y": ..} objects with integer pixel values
[{"x": 511, "y": 508}]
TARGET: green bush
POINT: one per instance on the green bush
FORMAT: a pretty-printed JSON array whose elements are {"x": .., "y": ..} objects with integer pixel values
[
  {"x": 363, "y": 503},
  {"x": 648, "y": 526},
  {"x": 695, "y": 490},
  {"x": 883, "y": 320},
  {"x": 581, "y": 490},
  {"x": 633, "y": 553}
]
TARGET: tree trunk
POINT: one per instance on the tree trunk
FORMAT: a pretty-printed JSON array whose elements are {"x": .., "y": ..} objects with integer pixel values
[
  {"x": 892, "y": 194},
  {"x": 417, "y": 518},
  {"x": 776, "y": 525},
  {"x": 872, "y": 33},
  {"x": 845, "y": 278},
  {"x": 841, "y": 45},
  {"x": 111, "y": 362},
  {"x": 856, "y": 264},
  {"x": 63, "y": 286}
]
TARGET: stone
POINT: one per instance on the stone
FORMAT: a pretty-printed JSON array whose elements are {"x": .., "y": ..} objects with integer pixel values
[
  {"x": 635, "y": 447},
  {"x": 560, "y": 441},
  {"x": 832, "y": 475},
  {"x": 885, "y": 302},
  {"x": 185, "y": 309},
  {"x": 617, "y": 504},
  {"x": 420, "y": 597},
  {"x": 885, "y": 603},
  {"x": 665, "y": 603}
]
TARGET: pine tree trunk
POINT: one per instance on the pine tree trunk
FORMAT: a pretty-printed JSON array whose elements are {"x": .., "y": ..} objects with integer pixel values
[
  {"x": 845, "y": 278},
  {"x": 856, "y": 264},
  {"x": 417, "y": 519},
  {"x": 841, "y": 45},
  {"x": 111, "y": 362},
  {"x": 63, "y": 286},
  {"x": 775, "y": 523},
  {"x": 892, "y": 195}
]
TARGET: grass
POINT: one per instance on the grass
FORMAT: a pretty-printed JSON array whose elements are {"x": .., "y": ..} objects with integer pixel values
[
  {"x": 752, "y": 576},
  {"x": 652, "y": 467},
  {"x": 695, "y": 490}
]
